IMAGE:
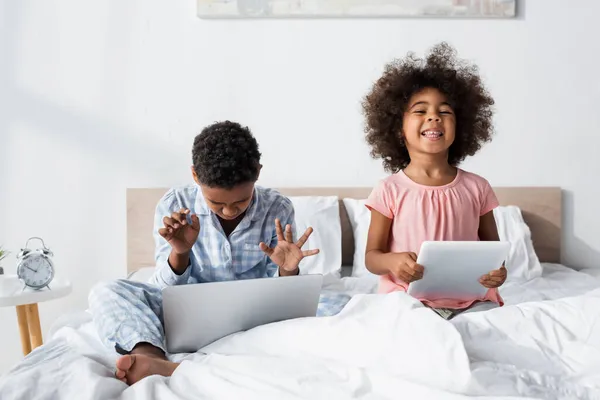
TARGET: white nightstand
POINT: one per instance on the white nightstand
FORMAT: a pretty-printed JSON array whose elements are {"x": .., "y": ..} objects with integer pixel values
[{"x": 25, "y": 300}]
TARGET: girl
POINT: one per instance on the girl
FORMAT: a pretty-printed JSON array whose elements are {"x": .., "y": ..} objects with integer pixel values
[{"x": 423, "y": 117}]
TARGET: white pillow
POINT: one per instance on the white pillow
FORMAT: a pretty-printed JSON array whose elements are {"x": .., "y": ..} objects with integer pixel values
[
  {"x": 360, "y": 218},
  {"x": 523, "y": 263},
  {"x": 142, "y": 275},
  {"x": 323, "y": 215}
]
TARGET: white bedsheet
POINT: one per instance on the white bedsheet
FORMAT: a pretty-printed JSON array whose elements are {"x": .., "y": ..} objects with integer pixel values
[{"x": 545, "y": 343}]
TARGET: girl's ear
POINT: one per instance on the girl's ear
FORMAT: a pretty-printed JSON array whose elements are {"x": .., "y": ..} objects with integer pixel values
[{"x": 402, "y": 138}]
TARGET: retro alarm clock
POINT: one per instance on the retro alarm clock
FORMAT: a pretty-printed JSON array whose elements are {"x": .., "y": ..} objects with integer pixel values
[{"x": 35, "y": 267}]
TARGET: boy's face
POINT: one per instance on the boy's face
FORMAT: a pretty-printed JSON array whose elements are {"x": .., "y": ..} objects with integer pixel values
[
  {"x": 228, "y": 204},
  {"x": 429, "y": 123}
]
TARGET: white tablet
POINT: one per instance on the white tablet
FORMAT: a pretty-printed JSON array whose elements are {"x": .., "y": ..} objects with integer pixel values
[{"x": 452, "y": 269}]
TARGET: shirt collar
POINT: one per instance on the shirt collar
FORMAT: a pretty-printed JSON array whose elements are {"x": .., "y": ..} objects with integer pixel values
[
  {"x": 252, "y": 212},
  {"x": 201, "y": 206},
  {"x": 253, "y": 209}
]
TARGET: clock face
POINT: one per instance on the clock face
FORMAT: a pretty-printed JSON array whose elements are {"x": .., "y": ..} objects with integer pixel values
[{"x": 36, "y": 271}]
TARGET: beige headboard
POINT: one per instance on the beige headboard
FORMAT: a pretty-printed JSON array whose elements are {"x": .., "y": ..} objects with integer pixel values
[{"x": 541, "y": 207}]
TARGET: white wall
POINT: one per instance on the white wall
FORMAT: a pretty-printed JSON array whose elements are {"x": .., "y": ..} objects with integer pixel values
[{"x": 98, "y": 96}]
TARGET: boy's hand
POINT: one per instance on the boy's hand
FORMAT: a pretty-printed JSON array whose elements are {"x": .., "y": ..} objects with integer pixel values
[
  {"x": 180, "y": 234},
  {"x": 404, "y": 267},
  {"x": 287, "y": 254},
  {"x": 494, "y": 279}
]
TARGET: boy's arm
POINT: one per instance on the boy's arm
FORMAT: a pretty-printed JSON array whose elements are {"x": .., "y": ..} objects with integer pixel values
[
  {"x": 284, "y": 251},
  {"x": 287, "y": 217},
  {"x": 164, "y": 274}
]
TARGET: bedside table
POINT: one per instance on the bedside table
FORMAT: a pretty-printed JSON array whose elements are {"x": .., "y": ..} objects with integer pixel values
[{"x": 26, "y": 301}]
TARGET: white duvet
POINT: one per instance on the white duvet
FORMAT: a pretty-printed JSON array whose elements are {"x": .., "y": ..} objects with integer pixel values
[{"x": 545, "y": 343}]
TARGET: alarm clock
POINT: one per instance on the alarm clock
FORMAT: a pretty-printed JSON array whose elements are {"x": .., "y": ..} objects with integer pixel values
[{"x": 35, "y": 267}]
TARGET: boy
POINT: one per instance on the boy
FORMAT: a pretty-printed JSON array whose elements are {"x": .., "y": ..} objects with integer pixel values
[{"x": 222, "y": 228}]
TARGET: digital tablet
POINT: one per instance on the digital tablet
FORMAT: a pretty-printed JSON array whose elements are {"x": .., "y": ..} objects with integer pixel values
[{"x": 452, "y": 269}]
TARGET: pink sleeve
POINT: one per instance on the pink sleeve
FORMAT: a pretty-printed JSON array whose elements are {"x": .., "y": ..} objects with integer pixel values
[
  {"x": 488, "y": 199},
  {"x": 381, "y": 200}
]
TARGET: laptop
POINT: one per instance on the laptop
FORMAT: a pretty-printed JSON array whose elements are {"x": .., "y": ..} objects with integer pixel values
[
  {"x": 196, "y": 315},
  {"x": 452, "y": 269}
]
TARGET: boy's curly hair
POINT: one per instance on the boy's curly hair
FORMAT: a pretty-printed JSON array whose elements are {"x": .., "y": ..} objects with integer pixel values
[
  {"x": 385, "y": 105},
  {"x": 225, "y": 155}
]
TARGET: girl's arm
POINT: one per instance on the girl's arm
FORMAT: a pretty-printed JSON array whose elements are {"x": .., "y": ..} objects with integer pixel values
[
  {"x": 488, "y": 232},
  {"x": 378, "y": 258},
  {"x": 377, "y": 255}
]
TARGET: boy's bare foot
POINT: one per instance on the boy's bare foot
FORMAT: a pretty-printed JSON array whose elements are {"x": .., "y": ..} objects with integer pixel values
[
  {"x": 144, "y": 360},
  {"x": 134, "y": 367}
]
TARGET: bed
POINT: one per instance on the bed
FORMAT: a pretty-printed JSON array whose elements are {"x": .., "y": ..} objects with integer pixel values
[{"x": 544, "y": 343}]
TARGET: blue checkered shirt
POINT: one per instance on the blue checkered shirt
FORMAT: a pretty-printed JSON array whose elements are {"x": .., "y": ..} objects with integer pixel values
[{"x": 216, "y": 257}]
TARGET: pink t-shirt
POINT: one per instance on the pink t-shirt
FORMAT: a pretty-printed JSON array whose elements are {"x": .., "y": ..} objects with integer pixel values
[{"x": 432, "y": 213}]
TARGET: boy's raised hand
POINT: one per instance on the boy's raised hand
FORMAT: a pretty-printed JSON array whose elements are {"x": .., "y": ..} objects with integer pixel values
[
  {"x": 494, "y": 279},
  {"x": 180, "y": 234},
  {"x": 405, "y": 267},
  {"x": 287, "y": 254}
]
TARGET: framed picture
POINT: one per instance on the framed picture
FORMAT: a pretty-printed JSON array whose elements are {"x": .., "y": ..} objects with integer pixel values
[{"x": 356, "y": 8}]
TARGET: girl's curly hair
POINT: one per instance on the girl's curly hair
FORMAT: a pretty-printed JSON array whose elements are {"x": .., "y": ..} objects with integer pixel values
[{"x": 458, "y": 80}]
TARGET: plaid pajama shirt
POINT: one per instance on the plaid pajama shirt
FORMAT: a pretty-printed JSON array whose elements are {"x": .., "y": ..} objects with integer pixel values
[{"x": 126, "y": 313}]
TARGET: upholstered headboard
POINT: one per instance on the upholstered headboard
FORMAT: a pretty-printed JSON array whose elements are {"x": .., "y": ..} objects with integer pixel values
[{"x": 541, "y": 207}]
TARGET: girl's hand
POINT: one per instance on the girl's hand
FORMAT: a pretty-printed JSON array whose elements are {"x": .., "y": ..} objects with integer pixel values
[
  {"x": 494, "y": 279},
  {"x": 405, "y": 267}
]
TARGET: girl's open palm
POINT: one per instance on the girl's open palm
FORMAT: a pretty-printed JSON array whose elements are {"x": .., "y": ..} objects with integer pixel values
[{"x": 287, "y": 254}]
